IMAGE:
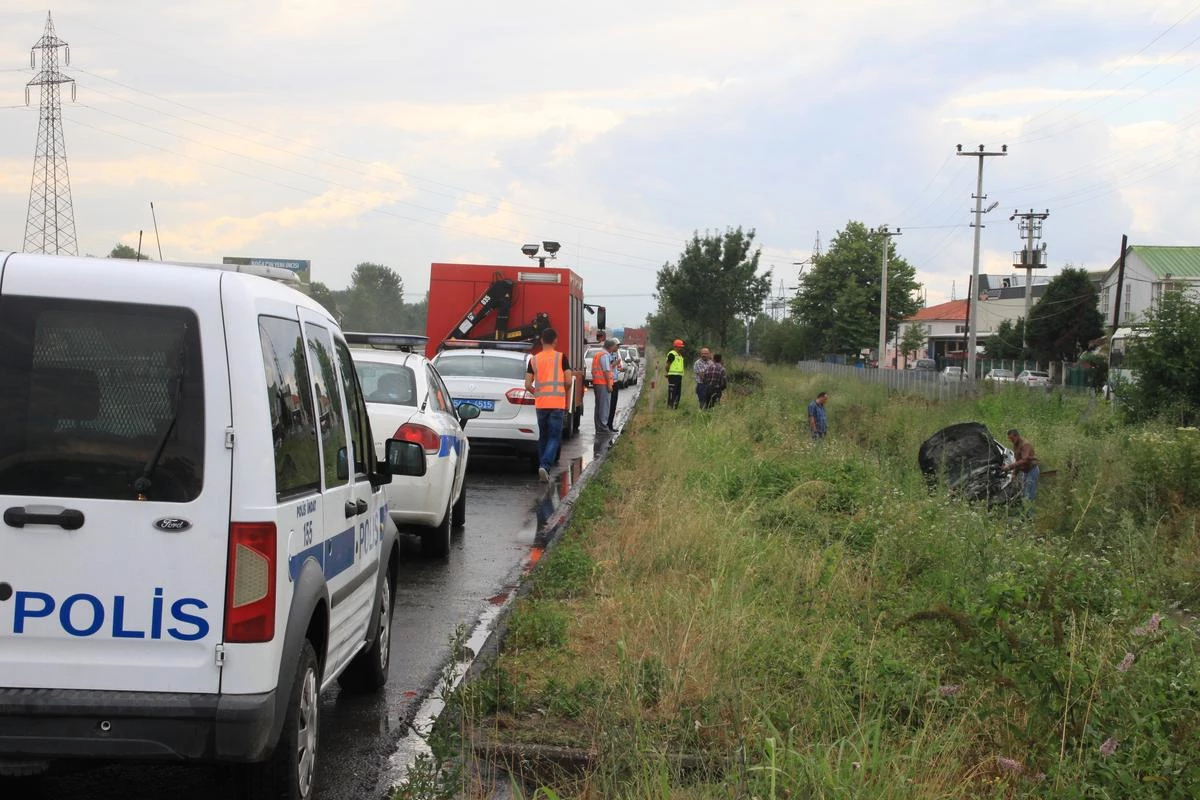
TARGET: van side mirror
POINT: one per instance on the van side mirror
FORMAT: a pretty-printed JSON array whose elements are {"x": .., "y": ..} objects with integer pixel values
[
  {"x": 601, "y": 318},
  {"x": 404, "y": 458},
  {"x": 467, "y": 411}
]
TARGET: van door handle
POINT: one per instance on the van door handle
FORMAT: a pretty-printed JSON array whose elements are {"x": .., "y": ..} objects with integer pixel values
[
  {"x": 68, "y": 519},
  {"x": 360, "y": 506},
  {"x": 351, "y": 509}
]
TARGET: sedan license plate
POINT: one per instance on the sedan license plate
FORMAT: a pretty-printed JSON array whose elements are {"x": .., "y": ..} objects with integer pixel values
[{"x": 483, "y": 405}]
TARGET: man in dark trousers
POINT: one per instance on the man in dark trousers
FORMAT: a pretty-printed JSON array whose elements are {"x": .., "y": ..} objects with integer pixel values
[
  {"x": 618, "y": 373},
  {"x": 548, "y": 379},
  {"x": 675, "y": 369},
  {"x": 817, "y": 422}
]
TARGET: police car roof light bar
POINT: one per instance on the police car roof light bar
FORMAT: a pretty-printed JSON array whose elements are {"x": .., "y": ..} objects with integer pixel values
[
  {"x": 485, "y": 344},
  {"x": 405, "y": 342}
]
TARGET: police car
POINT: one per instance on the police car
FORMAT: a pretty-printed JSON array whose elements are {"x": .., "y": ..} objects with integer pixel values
[
  {"x": 194, "y": 536},
  {"x": 407, "y": 400},
  {"x": 490, "y": 376}
]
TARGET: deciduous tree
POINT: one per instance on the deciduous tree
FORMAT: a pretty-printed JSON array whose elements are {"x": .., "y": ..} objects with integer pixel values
[
  {"x": 839, "y": 296},
  {"x": 1006, "y": 342},
  {"x": 913, "y": 341},
  {"x": 714, "y": 282},
  {"x": 1166, "y": 362},
  {"x": 1066, "y": 318},
  {"x": 125, "y": 251},
  {"x": 374, "y": 300}
]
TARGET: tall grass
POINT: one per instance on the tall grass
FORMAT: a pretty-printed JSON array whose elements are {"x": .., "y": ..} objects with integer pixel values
[{"x": 737, "y": 611}]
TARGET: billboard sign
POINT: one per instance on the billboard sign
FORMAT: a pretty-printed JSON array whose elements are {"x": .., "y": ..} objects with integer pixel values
[{"x": 301, "y": 266}]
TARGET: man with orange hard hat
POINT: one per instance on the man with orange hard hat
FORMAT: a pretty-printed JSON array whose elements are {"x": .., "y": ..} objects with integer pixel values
[{"x": 675, "y": 369}]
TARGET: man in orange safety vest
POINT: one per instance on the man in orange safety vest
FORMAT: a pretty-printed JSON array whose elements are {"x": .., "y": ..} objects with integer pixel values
[{"x": 548, "y": 378}]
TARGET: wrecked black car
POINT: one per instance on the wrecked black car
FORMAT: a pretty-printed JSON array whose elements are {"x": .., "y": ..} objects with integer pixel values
[{"x": 968, "y": 461}]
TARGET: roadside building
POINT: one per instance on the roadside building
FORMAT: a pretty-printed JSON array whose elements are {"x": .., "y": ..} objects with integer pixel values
[
  {"x": 1150, "y": 272},
  {"x": 1001, "y": 298}
]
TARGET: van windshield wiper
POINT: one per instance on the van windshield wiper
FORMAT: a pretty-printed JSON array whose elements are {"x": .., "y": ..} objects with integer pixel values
[{"x": 145, "y": 482}]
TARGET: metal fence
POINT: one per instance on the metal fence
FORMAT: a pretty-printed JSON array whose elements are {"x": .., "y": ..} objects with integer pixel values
[{"x": 932, "y": 385}]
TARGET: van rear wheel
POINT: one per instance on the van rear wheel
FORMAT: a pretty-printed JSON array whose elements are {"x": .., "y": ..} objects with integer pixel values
[{"x": 290, "y": 773}]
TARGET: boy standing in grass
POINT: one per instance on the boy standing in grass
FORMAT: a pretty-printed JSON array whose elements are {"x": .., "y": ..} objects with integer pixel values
[{"x": 817, "y": 422}]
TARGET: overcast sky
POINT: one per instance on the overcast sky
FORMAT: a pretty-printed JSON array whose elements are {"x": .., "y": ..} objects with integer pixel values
[{"x": 404, "y": 133}]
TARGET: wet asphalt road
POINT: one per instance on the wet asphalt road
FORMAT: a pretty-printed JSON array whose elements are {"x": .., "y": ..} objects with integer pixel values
[{"x": 434, "y": 596}]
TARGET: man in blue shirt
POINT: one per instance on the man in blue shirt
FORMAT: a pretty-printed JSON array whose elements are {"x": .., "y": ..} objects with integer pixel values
[{"x": 816, "y": 416}]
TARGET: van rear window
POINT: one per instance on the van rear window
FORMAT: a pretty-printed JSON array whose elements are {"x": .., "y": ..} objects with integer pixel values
[{"x": 90, "y": 392}]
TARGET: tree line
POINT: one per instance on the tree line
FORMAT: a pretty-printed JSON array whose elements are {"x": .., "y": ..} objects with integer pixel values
[{"x": 374, "y": 300}]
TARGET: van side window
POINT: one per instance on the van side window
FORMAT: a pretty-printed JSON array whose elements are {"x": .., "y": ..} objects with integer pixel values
[
  {"x": 360, "y": 437},
  {"x": 297, "y": 466},
  {"x": 90, "y": 390},
  {"x": 330, "y": 412}
]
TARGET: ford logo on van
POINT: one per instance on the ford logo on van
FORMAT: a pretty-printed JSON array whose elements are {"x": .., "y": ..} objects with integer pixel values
[{"x": 172, "y": 524}]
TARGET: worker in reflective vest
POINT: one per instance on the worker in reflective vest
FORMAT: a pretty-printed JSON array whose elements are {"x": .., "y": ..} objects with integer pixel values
[
  {"x": 601, "y": 387},
  {"x": 675, "y": 369},
  {"x": 548, "y": 378}
]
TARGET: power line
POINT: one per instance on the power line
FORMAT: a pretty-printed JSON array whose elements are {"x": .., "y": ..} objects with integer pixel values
[
  {"x": 493, "y": 202},
  {"x": 1123, "y": 62},
  {"x": 310, "y": 193}
]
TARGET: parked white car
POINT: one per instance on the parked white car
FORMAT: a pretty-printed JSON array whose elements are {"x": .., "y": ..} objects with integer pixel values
[
  {"x": 1033, "y": 377},
  {"x": 491, "y": 377},
  {"x": 407, "y": 400},
  {"x": 998, "y": 375},
  {"x": 952, "y": 374},
  {"x": 588, "y": 355},
  {"x": 632, "y": 363}
]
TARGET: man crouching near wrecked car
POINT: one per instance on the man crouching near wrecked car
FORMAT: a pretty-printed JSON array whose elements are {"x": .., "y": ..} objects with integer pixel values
[{"x": 1026, "y": 462}]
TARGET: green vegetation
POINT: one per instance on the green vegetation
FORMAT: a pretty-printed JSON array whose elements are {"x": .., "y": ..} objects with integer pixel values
[
  {"x": 838, "y": 301},
  {"x": 715, "y": 281},
  {"x": 764, "y": 617},
  {"x": 1167, "y": 362},
  {"x": 1066, "y": 318}
]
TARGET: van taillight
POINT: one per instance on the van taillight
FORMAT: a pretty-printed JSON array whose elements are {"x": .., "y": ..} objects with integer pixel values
[
  {"x": 428, "y": 438},
  {"x": 250, "y": 592},
  {"x": 520, "y": 397}
]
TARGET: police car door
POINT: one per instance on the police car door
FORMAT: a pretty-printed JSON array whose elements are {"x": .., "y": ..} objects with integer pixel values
[
  {"x": 449, "y": 428},
  {"x": 114, "y": 477},
  {"x": 341, "y": 511}
]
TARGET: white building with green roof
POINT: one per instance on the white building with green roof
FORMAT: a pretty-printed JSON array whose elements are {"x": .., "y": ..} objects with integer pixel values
[{"x": 1150, "y": 272}]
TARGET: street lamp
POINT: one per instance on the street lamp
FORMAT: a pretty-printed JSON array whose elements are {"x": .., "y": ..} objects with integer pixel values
[{"x": 551, "y": 249}]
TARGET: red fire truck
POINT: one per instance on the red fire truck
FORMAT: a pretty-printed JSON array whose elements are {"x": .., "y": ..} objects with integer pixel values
[{"x": 513, "y": 304}]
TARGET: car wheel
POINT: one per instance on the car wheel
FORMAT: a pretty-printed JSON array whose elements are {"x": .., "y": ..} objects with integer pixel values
[
  {"x": 435, "y": 542},
  {"x": 290, "y": 772},
  {"x": 368, "y": 671},
  {"x": 459, "y": 517}
]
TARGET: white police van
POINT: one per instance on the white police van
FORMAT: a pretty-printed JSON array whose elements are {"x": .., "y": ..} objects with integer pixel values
[{"x": 194, "y": 540}]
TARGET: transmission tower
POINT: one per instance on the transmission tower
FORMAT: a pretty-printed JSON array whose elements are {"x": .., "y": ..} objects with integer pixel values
[{"x": 50, "y": 223}]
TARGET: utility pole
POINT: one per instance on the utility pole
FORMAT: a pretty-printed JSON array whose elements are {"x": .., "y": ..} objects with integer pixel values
[
  {"x": 1120, "y": 281},
  {"x": 883, "y": 292},
  {"x": 50, "y": 220},
  {"x": 1030, "y": 258},
  {"x": 973, "y": 310}
]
